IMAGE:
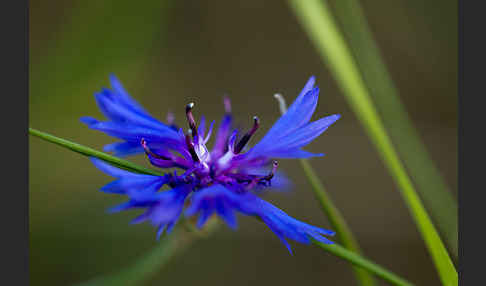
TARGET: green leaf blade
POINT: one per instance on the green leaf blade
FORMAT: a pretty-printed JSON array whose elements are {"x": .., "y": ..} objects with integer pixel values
[
  {"x": 322, "y": 30},
  {"x": 363, "y": 263},
  {"x": 434, "y": 191},
  {"x": 83, "y": 150},
  {"x": 338, "y": 223}
]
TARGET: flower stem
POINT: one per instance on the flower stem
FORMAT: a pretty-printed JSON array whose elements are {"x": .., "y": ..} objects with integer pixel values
[
  {"x": 337, "y": 221},
  {"x": 317, "y": 21},
  {"x": 359, "y": 261},
  {"x": 148, "y": 265}
]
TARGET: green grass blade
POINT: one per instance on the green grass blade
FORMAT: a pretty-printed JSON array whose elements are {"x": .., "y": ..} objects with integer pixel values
[
  {"x": 148, "y": 265},
  {"x": 338, "y": 223},
  {"x": 359, "y": 261},
  {"x": 124, "y": 164},
  {"x": 435, "y": 193},
  {"x": 319, "y": 24}
]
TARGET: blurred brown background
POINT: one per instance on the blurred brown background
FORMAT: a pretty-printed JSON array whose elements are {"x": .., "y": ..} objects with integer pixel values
[{"x": 168, "y": 53}]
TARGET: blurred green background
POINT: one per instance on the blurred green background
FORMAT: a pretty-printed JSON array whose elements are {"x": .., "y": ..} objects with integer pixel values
[{"x": 168, "y": 53}]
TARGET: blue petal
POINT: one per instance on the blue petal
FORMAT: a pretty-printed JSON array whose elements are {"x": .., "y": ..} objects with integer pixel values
[
  {"x": 114, "y": 171},
  {"x": 292, "y": 130},
  {"x": 221, "y": 200},
  {"x": 299, "y": 113},
  {"x": 170, "y": 227},
  {"x": 302, "y": 108},
  {"x": 160, "y": 230},
  {"x": 129, "y": 183},
  {"x": 307, "y": 133},
  {"x": 128, "y": 131},
  {"x": 124, "y": 97},
  {"x": 227, "y": 214},
  {"x": 202, "y": 126},
  {"x": 122, "y": 113},
  {"x": 280, "y": 234},
  {"x": 120, "y": 207},
  {"x": 141, "y": 218},
  {"x": 124, "y": 148},
  {"x": 222, "y": 136},
  {"x": 162, "y": 208},
  {"x": 88, "y": 120},
  {"x": 203, "y": 218},
  {"x": 127, "y": 121}
]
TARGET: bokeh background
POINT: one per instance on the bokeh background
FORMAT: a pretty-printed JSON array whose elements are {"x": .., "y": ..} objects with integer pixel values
[{"x": 168, "y": 53}]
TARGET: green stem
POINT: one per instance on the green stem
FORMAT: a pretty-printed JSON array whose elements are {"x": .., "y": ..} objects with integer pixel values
[
  {"x": 322, "y": 30},
  {"x": 359, "y": 261},
  {"x": 339, "y": 251},
  {"x": 148, "y": 265},
  {"x": 433, "y": 190},
  {"x": 93, "y": 153},
  {"x": 337, "y": 221},
  {"x": 335, "y": 217}
]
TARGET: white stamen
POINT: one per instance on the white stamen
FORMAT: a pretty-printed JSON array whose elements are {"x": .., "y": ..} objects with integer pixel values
[{"x": 281, "y": 103}]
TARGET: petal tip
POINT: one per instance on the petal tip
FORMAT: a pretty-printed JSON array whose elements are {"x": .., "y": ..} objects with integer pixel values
[
  {"x": 88, "y": 120},
  {"x": 113, "y": 78}
]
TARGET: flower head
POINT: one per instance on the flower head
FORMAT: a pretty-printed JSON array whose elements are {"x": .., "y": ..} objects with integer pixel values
[{"x": 222, "y": 180}]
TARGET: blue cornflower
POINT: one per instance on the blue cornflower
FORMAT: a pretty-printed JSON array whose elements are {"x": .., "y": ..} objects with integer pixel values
[{"x": 223, "y": 180}]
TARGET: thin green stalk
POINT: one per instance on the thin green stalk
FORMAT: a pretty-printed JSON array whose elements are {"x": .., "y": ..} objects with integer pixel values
[
  {"x": 339, "y": 251},
  {"x": 335, "y": 217},
  {"x": 322, "y": 30},
  {"x": 93, "y": 153},
  {"x": 337, "y": 221},
  {"x": 148, "y": 265},
  {"x": 359, "y": 261},
  {"x": 437, "y": 196}
]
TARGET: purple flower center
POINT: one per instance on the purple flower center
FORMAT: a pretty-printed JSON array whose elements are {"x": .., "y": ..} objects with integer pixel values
[{"x": 204, "y": 168}]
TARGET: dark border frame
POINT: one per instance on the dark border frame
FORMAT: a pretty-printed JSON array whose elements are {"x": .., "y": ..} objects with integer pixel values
[
  {"x": 15, "y": 86},
  {"x": 460, "y": 143},
  {"x": 470, "y": 121}
]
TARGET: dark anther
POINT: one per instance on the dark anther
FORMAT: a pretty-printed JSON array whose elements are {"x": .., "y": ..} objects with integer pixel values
[
  {"x": 212, "y": 171},
  {"x": 190, "y": 146},
  {"x": 247, "y": 136},
  {"x": 149, "y": 152},
  {"x": 190, "y": 119}
]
